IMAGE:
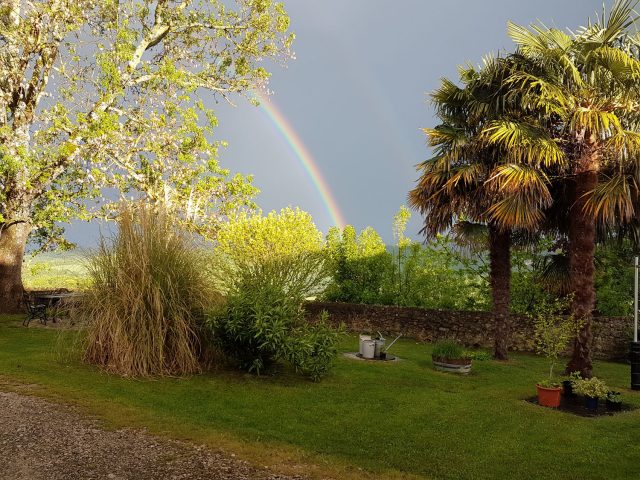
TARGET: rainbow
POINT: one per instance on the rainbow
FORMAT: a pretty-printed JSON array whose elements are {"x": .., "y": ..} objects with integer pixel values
[{"x": 304, "y": 157}]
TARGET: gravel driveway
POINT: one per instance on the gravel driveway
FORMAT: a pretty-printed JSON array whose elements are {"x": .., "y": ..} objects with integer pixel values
[{"x": 44, "y": 440}]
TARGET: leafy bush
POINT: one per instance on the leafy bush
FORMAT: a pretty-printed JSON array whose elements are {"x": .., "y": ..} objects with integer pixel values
[
  {"x": 448, "y": 349},
  {"x": 285, "y": 248},
  {"x": 430, "y": 276},
  {"x": 439, "y": 275},
  {"x": 614, "y": 397},
  {"x": 149, "y": 290},
  {"x": 360, "y": 266},
  {"x": 268, "y": 266},
  {"x": 262, "y": 323},
  {"x": 314, "y": 347},
  {"x": 614, "y": 278},
  {"x": 591, "y": 387}
]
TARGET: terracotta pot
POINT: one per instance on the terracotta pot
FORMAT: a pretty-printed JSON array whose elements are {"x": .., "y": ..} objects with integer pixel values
[{"x": 549, "y": 397}]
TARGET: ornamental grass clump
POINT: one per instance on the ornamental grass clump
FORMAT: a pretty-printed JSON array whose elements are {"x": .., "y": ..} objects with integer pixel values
[
  {"x": 149, "y": 290},
  {"x": 448, "y": 349}
]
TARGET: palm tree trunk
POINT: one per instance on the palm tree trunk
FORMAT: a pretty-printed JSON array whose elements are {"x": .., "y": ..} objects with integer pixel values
[
  {"x": 13, "y": 240},
  {"x": 582, "y": 241},
  {"x": 500, "y": 256}
]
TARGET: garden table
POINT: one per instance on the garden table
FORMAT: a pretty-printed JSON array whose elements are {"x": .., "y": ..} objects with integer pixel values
[{"x": 55, "y": 300}]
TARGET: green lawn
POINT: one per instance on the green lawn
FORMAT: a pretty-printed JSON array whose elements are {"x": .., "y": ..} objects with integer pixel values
[{"x": 389, "y": 418}]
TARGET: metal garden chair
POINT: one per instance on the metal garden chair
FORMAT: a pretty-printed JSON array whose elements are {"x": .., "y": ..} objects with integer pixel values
[{"x": 35, "y": 311}]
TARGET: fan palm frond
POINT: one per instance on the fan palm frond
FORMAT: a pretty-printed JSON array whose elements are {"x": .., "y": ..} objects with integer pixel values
[
  {"x": 608, "y": 28},
  {"x": 524, "y": 142},
  {"x": 471, "y": 235},
  {"x": 611, "y": 202},
  {"x": 594, "y": 120},
  {"x": 553, "y": 273}
]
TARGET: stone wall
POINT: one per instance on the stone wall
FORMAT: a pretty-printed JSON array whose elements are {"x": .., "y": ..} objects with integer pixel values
[{"x": 473, "y": 329}]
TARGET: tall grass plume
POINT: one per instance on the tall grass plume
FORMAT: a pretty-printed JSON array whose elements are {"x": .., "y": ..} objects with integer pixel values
[{"x": 149, "y": 289}]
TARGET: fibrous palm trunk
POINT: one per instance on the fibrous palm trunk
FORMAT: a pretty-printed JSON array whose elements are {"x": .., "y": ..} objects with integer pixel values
[
  {"x": 500, "y": 255},
  {"x": 582, "y": 241},
  {"x": 13, "y": 239}
]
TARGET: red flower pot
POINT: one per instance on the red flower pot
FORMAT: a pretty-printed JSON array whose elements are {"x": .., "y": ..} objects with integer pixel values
[{"x": 549, "y": 397}]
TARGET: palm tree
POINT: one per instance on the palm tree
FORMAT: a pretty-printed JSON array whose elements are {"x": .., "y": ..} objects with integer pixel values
[
  {"x": 468, "y": 176},
  {"x": 579, "y": 92}
]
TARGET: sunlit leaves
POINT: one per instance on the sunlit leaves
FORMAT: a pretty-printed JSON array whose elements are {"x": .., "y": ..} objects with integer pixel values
[
  {"x": 612, "y": 201},
  {"x": 122, "y": 103},
  {"x": 594, "y": 122},
  {"x": 524, "y": 142},
  {"x": 522, "y": 193}
]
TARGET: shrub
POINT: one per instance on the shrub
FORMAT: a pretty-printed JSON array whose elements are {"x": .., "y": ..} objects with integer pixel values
[
  {"x": 287, "y": 244},
  {"x": 268, "y": 266},
  {"x": 448, "y": 349},
  {"x": 591, "y": 387},
  {"x": 614, "y": 397},
  {"x": 360, "y": 265},
  {"x": 149, "y": 289},
  {"x": 314, "y": 348},
  {"x": 262, "y": 323}
]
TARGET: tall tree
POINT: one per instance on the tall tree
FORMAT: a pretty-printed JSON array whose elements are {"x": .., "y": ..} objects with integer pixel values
[
  {"x": 471, "y": 178},
  {"x": 98, "y": 93},
  {"x": 579, "y": 90}
]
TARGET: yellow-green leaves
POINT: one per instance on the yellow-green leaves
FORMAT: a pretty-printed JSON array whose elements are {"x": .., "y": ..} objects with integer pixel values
[
  {"x": 614, "y": 200},
  {"x": 249, "y": 237},
  {"x": 524, "y": 142}
]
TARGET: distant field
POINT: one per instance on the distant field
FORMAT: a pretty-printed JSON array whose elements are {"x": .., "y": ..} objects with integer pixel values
[{"x": 55, "y": 270}]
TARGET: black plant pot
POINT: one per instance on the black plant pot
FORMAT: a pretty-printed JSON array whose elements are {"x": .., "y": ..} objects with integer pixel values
[
  {"x": 591, "y": 403},
  {"x": 567, "y": 389},
  {"x": 613, "y": 406}
]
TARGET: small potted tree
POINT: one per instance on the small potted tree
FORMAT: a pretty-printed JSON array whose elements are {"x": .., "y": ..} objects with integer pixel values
[
  {"x": 448, "y": 356},
  {"x": 553, "y": 333},
  {"x": 593, "y": 389}
]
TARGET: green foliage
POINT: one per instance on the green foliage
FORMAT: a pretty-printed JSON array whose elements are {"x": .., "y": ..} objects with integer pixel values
[
  {"x": 448, "y": 349},
  {"x": 553, "y": 331},
  {"x": 574, "y": 377},
  {"x": 149, "y": 290},
  {"x": 437, "y": 275},
  {"x": 591, "y": 387},
  {"x": 120, "y": 79},
  {"x": 440, "y": 275},
  {"x": 614, "y": 397},
  {"x": 478, "y": 355},
  {"x": 287, "y": 246},
  {"x": 268, "y": 266},
  {"x": 314, "y": 349},
  {"x": 614, "y": 278},
  {"x": 360, "y": 266},
  {"x": 262, "y": 322}
]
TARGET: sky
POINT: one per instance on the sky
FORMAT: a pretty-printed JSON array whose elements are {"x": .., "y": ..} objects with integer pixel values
[{"x": 356, "y": 98}]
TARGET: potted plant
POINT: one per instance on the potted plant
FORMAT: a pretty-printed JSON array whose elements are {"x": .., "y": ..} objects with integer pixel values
[
  {"x": 592, "y": 389},
  {"x": 614, "y": 401},
  {"x": 567, "y": 385},
  {"x": 448, "y": 356},
  {"x": 553, "y": 332}
]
